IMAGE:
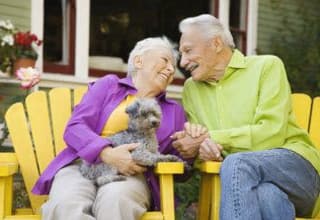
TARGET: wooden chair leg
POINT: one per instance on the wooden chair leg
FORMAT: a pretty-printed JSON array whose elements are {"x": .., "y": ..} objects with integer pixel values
[
  {"x": 167, "y": 200},
  {"x": 165, "y": 170},
  {"x": 205, "y": 196},
  {"x": 215, "y": 197},
  {"x": 6, "y": 189},
  {"x": 209, "y": 201}
]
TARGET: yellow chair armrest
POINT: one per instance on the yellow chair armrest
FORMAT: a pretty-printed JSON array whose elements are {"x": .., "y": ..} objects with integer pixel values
[
  {"x": 23, "y": 217},
  {"x": 210, "y": 167},
  {"x": 8, "y": 164},
  {"x": 169, "y": 168},
  {"x": 152, "y": 216},
  {"x": 8, "y": 167}
]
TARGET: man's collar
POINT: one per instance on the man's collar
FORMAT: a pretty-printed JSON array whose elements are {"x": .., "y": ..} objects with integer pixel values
[{"x": 237, "y": 60}]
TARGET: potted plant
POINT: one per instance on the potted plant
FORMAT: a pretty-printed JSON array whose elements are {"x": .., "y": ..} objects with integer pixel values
[{"x": 25, "y": 54}]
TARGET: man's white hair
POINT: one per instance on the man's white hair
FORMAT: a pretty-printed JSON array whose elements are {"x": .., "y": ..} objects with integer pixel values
[
  {"x": 147, "y": 44},
  {"x": 209, "y": 26}
]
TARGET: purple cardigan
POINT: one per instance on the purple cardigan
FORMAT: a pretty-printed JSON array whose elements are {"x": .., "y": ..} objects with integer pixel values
[{"x": 88, "y": 119}]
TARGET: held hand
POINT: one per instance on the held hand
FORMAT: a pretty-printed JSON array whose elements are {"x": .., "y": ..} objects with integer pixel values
[
  {"x": 195, "y": 130},
  {"x": 120, "y": 158},
  {"x": 209, "y": 150},
  {"x": 178, "y": 135},
  {"x": 187, "y": 146}
]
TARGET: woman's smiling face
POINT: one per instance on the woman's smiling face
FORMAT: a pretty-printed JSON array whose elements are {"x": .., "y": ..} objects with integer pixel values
[{"x": 155, "y": 68}]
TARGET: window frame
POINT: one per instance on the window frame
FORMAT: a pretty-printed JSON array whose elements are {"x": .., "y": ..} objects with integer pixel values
[
  {"x": 243, "y": 32},
  {"x": 68, "y": 68}
]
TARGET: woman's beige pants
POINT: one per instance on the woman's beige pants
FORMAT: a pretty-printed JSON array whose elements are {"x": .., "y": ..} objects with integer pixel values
[{"x": 73, "y": 197}]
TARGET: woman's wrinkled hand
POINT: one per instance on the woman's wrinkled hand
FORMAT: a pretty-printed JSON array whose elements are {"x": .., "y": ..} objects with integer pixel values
[
  {"x": 210, "y": 151},
  {"x": 120, "y": 158}
]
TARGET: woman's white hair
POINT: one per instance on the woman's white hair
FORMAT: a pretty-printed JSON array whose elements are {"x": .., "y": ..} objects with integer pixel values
[
  {"x": 147, "y": 44},
  {"x": 209, "y": 26}
]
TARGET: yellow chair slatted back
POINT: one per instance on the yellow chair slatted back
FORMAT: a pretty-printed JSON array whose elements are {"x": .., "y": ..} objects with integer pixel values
[
  {"x": 301, "y": 104},
  {"x": 309, "y": 118},
  {"x": 314, "y": 129},
  {"x": 78, "y": 94},
  {"x": 37, "y": 133},
  {"x": 60, "y": 105},
  {"x": 19, "y": 129},
  {"x": 40, "y": 127}
]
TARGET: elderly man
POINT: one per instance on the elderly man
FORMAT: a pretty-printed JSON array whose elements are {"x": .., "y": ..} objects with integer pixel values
[{"x": 270, "y": 168}]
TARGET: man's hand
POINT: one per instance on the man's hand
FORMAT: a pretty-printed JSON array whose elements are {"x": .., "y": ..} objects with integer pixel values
[
  {"x": 187, "y": 146},
  {"x": 195, "y": 130},
  {"x": 209, "y": 150},
  {"x": 120, "y": 158}
]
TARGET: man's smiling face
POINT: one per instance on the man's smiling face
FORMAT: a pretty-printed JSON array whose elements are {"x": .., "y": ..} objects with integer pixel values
[{"x": 198, "y": 54}]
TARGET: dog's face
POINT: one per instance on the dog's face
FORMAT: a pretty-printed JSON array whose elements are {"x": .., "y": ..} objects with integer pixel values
[{"x": 144, "y": 114}]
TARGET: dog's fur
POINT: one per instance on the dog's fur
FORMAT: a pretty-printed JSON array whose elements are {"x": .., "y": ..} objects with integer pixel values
[{"x": 144, "y": 119}]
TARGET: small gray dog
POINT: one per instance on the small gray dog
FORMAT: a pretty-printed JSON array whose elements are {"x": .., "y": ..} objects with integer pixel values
[{"x": 144, "y": 119}]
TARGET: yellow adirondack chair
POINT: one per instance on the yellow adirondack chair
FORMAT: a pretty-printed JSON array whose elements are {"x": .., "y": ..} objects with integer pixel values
[
  {"x": 38, "y": 136},
  {"x": 209, "y": 196}
]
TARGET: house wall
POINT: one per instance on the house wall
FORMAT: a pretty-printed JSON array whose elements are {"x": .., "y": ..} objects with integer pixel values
[
  {"x": 271, "y": 16},
  {"x": 18, "y": 11}
]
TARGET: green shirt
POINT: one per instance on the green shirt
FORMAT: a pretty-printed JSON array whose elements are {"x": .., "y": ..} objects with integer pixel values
[{"x": 249, "y": 109}]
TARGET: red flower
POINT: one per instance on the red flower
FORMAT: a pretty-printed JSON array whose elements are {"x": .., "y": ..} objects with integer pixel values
[
  {"x": 24, "y": 43},
  {"x": 26, "y": 39}
]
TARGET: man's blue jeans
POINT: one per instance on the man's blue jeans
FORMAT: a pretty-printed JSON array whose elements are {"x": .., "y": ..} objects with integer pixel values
[{"x": 269, "y": 185}]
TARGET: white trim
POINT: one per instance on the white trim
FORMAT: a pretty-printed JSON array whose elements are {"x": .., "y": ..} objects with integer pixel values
[
  {"x": 65, "y": 33},
  {"x": 224, "y": 9},
  {"x": 52, "y": 80},
  {"x": 37, "y": 21},
  {"x": 212, "y": 7},
  {"x": 82, "y": 39},
  {"x": 252, "y": 22},
  {"x": 252, "y": 27}
]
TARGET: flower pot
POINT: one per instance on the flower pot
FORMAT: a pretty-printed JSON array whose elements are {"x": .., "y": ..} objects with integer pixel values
[{"x": 23, "y": 63}]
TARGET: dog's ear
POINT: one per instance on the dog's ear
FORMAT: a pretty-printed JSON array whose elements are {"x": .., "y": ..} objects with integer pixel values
[{"x": 132, "y": 108}]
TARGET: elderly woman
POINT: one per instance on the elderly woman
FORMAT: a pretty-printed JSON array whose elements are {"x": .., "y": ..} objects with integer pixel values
[{"x": 151, "y": 66}]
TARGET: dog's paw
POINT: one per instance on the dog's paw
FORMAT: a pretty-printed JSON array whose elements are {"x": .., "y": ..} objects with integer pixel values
[{"x": 168, "y": 158}]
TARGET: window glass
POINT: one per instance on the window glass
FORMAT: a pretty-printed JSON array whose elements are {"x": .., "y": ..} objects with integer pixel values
[
  {"x": 52, "y": 48},
  {"x": 59, "y": 26},
  {"x": 116, "y": 25}
]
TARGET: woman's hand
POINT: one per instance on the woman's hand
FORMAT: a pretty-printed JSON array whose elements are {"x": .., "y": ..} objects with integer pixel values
[
  {"x": 120, "y": 158},
  {"x": 209, "y": 150}
]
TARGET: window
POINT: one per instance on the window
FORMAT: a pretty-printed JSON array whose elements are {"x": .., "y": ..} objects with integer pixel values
[
  {"x": 59, "y": 36},
  {"x": 238, "y": 23},
  {"x": 116, "y": 25}
]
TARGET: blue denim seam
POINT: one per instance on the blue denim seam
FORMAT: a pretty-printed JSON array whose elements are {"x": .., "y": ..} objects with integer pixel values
[{"x": 236, "y": 190}]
